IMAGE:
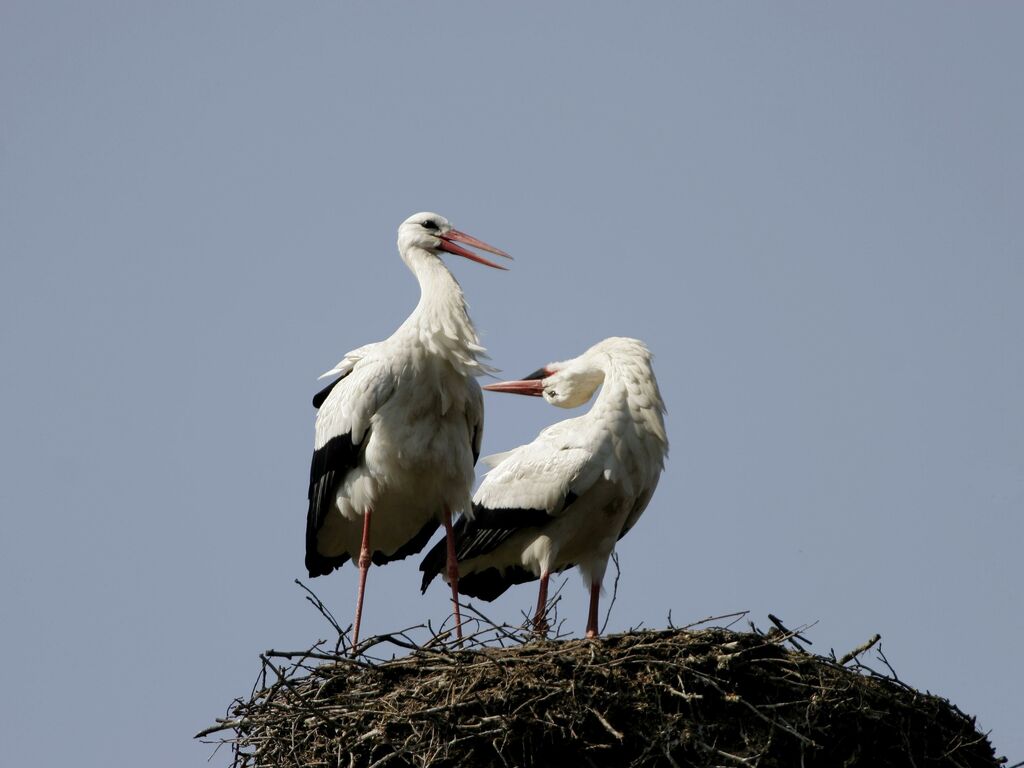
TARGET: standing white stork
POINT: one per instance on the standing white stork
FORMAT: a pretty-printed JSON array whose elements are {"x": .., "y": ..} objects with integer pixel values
[
  {"x": 566, "y": 498},
  {"x": 398, "y": 431}
]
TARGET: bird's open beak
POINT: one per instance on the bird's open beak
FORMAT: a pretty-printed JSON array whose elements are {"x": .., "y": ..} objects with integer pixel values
[
  {"x": 529, "y": 385},
  {"x": 451, "y": 236}
]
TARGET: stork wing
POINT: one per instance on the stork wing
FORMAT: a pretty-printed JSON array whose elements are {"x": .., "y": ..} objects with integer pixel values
[
  {"x": 350, "y": 359},
  {"x": 341, "y": 370},
  {"x": 342, "y": 424},
  {"x": 531, "y": 486},
  {"x": 638, "y": 508},
  {"x": 538, "y": 477}
]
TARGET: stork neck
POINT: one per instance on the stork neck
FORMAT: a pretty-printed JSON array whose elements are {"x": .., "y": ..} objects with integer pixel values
[
  {"x": 441, "y": 311},
  {"x": 440, "y": 293},
  {"x": 630, "y": 391},
  {"x": 615, "y": 387}
]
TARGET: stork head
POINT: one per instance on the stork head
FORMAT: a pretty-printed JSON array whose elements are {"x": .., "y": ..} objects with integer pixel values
[
  {"x": 432, "y": 232},
  {"x": 567, "y": 384},
  {"x": 573, "y": 382}
]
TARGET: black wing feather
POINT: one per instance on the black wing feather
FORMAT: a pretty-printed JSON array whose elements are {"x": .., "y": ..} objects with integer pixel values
[
  {"x": 330, "y": 465},
  {"x": 488, "y": 530},
  {"x": 437, "y": 558},
  {"x": 411, "y": 547},
  {"x": 511, "y": 517},
  {"x": 490, "y": 583},
  {"x": 319, "y": 397}
]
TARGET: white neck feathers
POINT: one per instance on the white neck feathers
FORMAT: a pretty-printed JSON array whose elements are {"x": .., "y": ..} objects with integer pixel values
[
  {"x": 441, "y": 322},
  {"x": 630, "y": 399}
]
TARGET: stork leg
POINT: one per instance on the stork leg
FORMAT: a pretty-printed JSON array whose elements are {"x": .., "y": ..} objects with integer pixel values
[
  {"x": 540, "y": 618},
  {"x": 364, "y": 566},
  {"x": 595, "y": 596},
  {"x": 453, "y": 571}
]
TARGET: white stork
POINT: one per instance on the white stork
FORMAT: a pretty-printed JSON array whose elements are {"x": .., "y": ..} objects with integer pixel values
[
  {"x": 566, "y": 498},
  {"x": 398, "y": 430}
]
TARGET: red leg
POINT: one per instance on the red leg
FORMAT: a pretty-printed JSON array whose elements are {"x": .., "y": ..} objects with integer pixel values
[
  {"x": 540, "y": 618},
  {"x": 453, "y": 571},
  {"x": 595, "y": 595},
  {"x": 364, "y": 566}
]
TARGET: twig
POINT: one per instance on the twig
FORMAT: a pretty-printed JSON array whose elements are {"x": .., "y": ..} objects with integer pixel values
[
  {"x": 607, "y": 726},
  {"x": 615, "y": 591},
  {"x": 222, "y": 725},
  {"x": 848, "y": 657},
  {"x": 793, "y": 636},
  {"x": 735, "y": 615},
  {"x": 312, "y": 597}
]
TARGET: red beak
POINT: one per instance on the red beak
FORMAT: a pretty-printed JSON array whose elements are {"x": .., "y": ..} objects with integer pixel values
[
  {"x": 448, "y": 244},
  {"x": 532, "y": 385}
]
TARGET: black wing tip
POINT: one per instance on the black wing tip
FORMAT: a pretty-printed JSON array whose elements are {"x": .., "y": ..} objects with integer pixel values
[
  {"x": 432, "y": 563},
  {"x": 321, "y": 396},
  {"x": 490, "y": 583},
  {"x": 514, "y": 518},
  {"x": 330, "y": 463},
  {"x": 413, "y": 546},
  {"x": 318, "y": 565}
]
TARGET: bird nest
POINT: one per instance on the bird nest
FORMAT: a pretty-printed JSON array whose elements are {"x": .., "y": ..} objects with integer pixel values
[{"x": 674, "y": 697}]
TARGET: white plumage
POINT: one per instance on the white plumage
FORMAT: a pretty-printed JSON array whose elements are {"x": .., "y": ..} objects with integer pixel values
[
  {"x": 398, "y": 431},
  {"x": 566, "y": 498}
]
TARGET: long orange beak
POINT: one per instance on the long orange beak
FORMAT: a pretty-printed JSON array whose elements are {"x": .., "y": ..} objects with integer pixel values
[
  {"x": 448, "y": 244},
  {"x": 532, "y": 385}
]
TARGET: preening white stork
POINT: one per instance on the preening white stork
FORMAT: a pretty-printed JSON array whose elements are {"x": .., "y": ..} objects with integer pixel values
[
  {"x": 398, "y": 430},
  {"x": 566, "y": 498}
]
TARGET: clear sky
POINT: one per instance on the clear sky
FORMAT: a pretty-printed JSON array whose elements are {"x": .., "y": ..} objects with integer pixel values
[{"x": 811, "y": 212}]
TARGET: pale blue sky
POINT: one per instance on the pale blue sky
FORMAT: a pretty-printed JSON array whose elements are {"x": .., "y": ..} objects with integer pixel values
[{"x": 811, "y": 212}]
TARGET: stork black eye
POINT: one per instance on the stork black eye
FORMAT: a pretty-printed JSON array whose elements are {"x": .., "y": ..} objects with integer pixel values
[{"x": 429, "y": 224}]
